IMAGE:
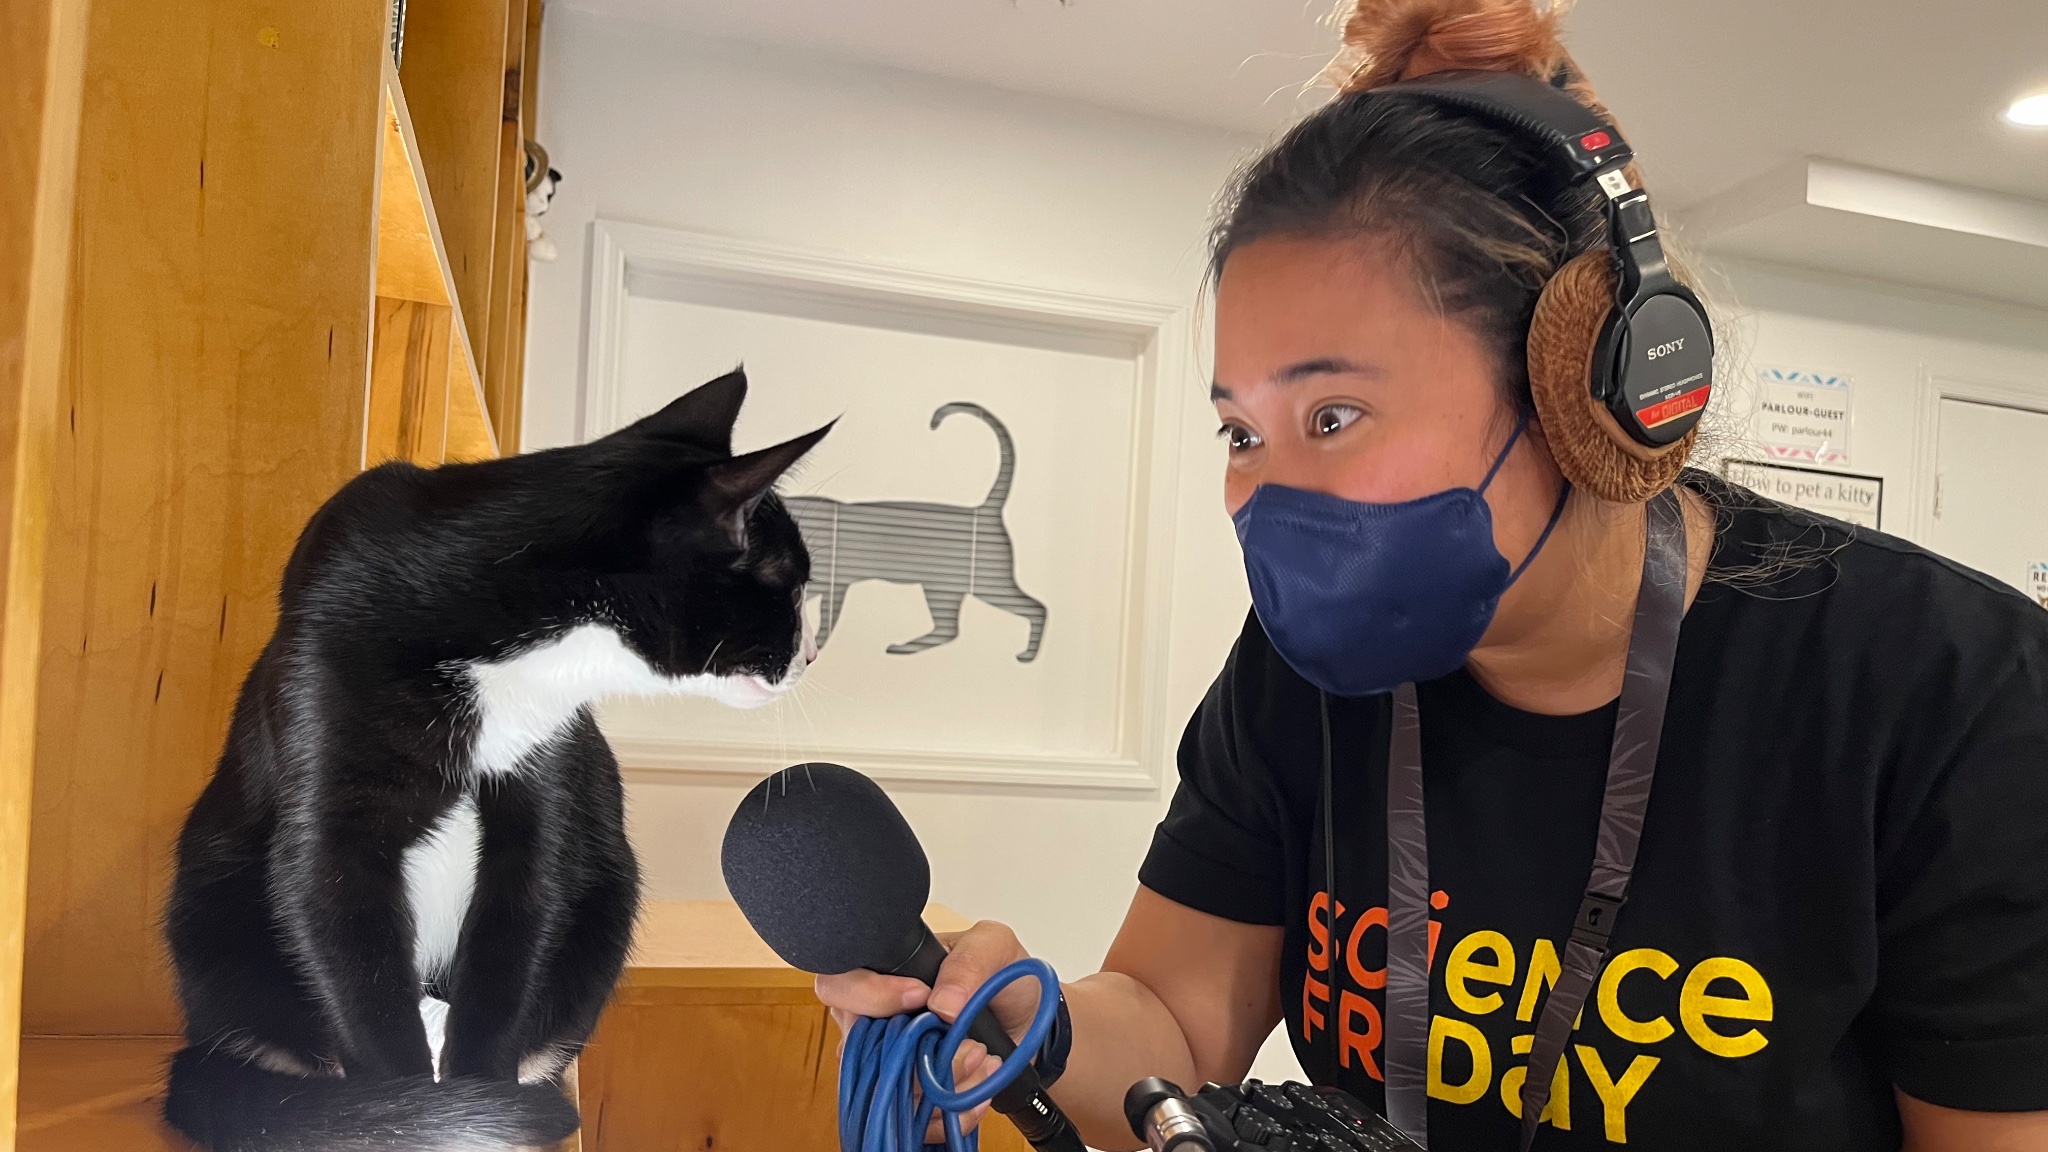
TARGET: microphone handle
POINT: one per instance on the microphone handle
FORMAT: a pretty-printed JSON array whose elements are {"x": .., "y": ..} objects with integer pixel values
[{"x": 1025, "y": 1101}]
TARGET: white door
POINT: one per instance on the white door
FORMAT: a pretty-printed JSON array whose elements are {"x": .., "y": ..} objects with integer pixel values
[{"x": 1991, "y": 494}]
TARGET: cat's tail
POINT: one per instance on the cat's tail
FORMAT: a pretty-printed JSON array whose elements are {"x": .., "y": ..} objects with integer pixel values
[
  {"x": 229, "y": 1105},
  {"x": 1000, "y": 490}
]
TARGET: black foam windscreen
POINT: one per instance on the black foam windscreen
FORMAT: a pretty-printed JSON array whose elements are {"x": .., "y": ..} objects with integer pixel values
[{"x": 827, "y": 870}]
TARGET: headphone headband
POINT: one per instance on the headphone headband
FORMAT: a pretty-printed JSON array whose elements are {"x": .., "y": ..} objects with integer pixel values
[
  {"x": 1651, "y": 363},
  {"x": 1580, "y": 144}
]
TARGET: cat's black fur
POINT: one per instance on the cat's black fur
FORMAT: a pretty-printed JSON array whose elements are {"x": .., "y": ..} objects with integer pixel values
[{"x": 289, "y": 922}]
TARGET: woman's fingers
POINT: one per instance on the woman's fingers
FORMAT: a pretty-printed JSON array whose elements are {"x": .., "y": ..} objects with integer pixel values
[
  {"x": 976, "y": 955},
  {"x": 864, "y": 993},
  {"x": 971, "y": 1065}
]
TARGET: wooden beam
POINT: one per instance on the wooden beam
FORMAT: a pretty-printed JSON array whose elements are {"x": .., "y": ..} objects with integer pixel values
[
  {"x": 411, "y": 263},
  {"x": 508, "y": 249},
  {"x": 454, "y": 79},
  {"x": 213, "y": 398},
  {"x": 42, "y": 58},
  {"x": 408, "y": 413},
  {"x": 416, "y": 266}
]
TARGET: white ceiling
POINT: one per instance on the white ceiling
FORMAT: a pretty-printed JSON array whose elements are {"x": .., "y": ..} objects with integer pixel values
[{"x": 1712, "y": 93}]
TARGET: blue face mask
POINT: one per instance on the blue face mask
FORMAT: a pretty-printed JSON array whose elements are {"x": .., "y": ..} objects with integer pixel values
[{"x": 1362, "y": 598}]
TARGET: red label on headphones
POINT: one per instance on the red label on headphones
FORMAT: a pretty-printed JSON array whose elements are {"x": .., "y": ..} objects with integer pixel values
[{"x": 1683, "y": 404}]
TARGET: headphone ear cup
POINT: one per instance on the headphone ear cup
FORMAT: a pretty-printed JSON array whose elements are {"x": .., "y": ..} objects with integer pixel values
[{"x": 1591, "y": 448}]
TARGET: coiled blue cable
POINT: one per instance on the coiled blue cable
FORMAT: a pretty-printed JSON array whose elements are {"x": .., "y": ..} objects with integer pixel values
[{"x": 885, "y": 1061}]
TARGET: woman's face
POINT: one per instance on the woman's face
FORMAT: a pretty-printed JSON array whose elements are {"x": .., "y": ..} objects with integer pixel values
[{"x": 1333, "y": 376}]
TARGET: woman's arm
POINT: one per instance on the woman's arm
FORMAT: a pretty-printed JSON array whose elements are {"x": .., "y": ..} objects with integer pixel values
[
  {"x": 1182, "y": 994},
  {"x": 1206, "y": 992},
  {"x": 1932, "y": 1128}
]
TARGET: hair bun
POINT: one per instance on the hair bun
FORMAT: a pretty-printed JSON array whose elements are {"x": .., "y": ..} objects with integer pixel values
[{"x": 1390, "y": 40}]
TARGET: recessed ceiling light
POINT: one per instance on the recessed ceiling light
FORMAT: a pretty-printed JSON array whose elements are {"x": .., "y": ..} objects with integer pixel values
[{"x": 2029, "y": 111}]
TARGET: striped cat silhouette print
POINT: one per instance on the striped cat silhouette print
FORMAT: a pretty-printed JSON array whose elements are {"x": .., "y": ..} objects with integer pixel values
[{"x": 950, "y": 552}]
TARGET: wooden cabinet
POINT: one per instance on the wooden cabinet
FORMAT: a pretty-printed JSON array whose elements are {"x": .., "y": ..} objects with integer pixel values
[
  {"x": 714, "y": 1043},
  {"x": 275, "y": 269}
]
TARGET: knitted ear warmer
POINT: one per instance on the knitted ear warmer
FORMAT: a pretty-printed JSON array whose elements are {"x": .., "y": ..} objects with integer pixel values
[{"x": 1590, "y": 447}]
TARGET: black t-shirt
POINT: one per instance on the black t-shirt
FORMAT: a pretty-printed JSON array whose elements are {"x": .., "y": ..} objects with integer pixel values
[{"x": 1842, "y": 884}]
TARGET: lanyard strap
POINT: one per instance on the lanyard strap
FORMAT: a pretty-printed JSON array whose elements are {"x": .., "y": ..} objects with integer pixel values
[{"x": 1638, "y": 727}]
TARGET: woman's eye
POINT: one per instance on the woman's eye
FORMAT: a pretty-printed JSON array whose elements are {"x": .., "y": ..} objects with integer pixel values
[
  {"x": 1331, "y": 419},
  {"x": 1239, "y": 437}
]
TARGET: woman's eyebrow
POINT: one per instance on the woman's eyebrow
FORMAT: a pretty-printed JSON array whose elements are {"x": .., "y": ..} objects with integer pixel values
[
  {"x": 1295, "y": 373},
  {"x": 1325, "y": 366}
]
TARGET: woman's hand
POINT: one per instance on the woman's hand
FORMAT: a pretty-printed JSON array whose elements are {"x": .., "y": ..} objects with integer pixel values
[
  {"x": 1182, "y": 994},
  {"x": 973, "y": 957}
]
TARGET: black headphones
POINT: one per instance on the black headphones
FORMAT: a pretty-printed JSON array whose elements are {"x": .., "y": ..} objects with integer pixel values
[{"x": 1653, "y": 364}]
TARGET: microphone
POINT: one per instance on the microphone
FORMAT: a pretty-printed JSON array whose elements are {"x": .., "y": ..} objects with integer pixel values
[
  {"x": 1159, "y": 1115},
  {"x": 830, "y": 875}
]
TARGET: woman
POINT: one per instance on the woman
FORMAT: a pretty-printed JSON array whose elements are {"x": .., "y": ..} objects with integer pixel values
[{"x": 1835, "y": 932}]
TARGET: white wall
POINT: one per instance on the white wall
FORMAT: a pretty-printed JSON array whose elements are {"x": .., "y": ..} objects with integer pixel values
[
  {"x": 1887, "y": 339},
  {"x": 652, "y": 126}
]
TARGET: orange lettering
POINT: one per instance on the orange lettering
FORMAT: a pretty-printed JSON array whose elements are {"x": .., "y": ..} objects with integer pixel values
[
  {"x": 1311, "y": 991},
  {"x": 1361, "y": 975},
  {"x": 1319, "y": 930},
  {"x": 1438, "y": 900},
  {"x": 1319, "y": 933},
  {"x": 1349, "y": 1040}
]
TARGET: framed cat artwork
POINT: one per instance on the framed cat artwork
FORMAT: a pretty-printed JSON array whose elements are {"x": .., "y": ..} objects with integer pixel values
[{"x": 989, "y": 522}]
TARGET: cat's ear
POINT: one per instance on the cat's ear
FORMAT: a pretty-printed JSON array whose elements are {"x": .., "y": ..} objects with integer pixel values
[
  {"x": 705, "y": 414},
  {"x": 735, "y": 487}
]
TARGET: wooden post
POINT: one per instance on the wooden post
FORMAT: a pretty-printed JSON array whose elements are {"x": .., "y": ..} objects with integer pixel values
[
  {"x": 508, "y": 248},
  {"x": 213, "y": 397},
  {"x": 42, "y": 55},
  {"x": 454, "y": 80}
]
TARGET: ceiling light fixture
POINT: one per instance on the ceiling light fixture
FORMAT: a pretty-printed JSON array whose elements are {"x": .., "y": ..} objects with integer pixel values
[{"x": 2029, "y": 111}]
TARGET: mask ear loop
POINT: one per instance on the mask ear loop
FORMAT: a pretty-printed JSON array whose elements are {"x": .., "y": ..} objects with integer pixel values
[
  {"x": 1556, "y": 512},
  {"x": 1503, "y": 457}
]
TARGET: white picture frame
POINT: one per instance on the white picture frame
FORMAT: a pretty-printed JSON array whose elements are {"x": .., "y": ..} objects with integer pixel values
[{"x": 1154, "y": 336}]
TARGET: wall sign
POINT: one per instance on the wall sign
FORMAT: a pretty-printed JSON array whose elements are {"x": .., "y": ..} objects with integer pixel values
[
  {"x": 1803, "y": 416},
  {"x": 2037, "y": 582},
  {"x": 1856, "y": 499}
]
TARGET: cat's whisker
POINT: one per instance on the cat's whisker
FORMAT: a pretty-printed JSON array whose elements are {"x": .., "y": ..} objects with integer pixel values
[{"x": 812, "y": 489}]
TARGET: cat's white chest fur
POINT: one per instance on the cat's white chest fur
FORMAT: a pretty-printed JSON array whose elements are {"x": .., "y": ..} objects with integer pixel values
[
  {"x": 440, "y": 878},
  {"x": 526, "y": 700},
  {"x": 523, "y": 702}
]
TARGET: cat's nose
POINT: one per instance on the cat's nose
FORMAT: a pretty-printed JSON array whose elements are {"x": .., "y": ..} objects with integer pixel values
[{"x": 810, "y": 647}]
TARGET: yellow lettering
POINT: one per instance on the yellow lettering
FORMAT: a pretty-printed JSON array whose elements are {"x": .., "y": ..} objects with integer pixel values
[
  {"x": 1442, "y": 1028},
  {"x": 1543, "y": 973},
  {"x": 1695, "y": 1004},
  {"x": 1620, "y": 1023},
  {"x": 1461, "y": 968},
  {"x": 1614, "y": 1097},
  {"x": 1558, "y": 1111}
]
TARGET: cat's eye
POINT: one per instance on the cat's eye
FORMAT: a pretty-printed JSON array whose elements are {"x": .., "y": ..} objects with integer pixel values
[
  {"x": 1331, "y": 419},
  {"x": 1239, "y": 437}
]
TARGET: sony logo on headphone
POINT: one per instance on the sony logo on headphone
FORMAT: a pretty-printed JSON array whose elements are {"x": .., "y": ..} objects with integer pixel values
[{"x": 1667, "y": 349}]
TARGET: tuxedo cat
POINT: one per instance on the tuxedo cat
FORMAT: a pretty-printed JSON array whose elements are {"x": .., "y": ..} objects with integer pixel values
[{"x": 407, "y": 892}]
